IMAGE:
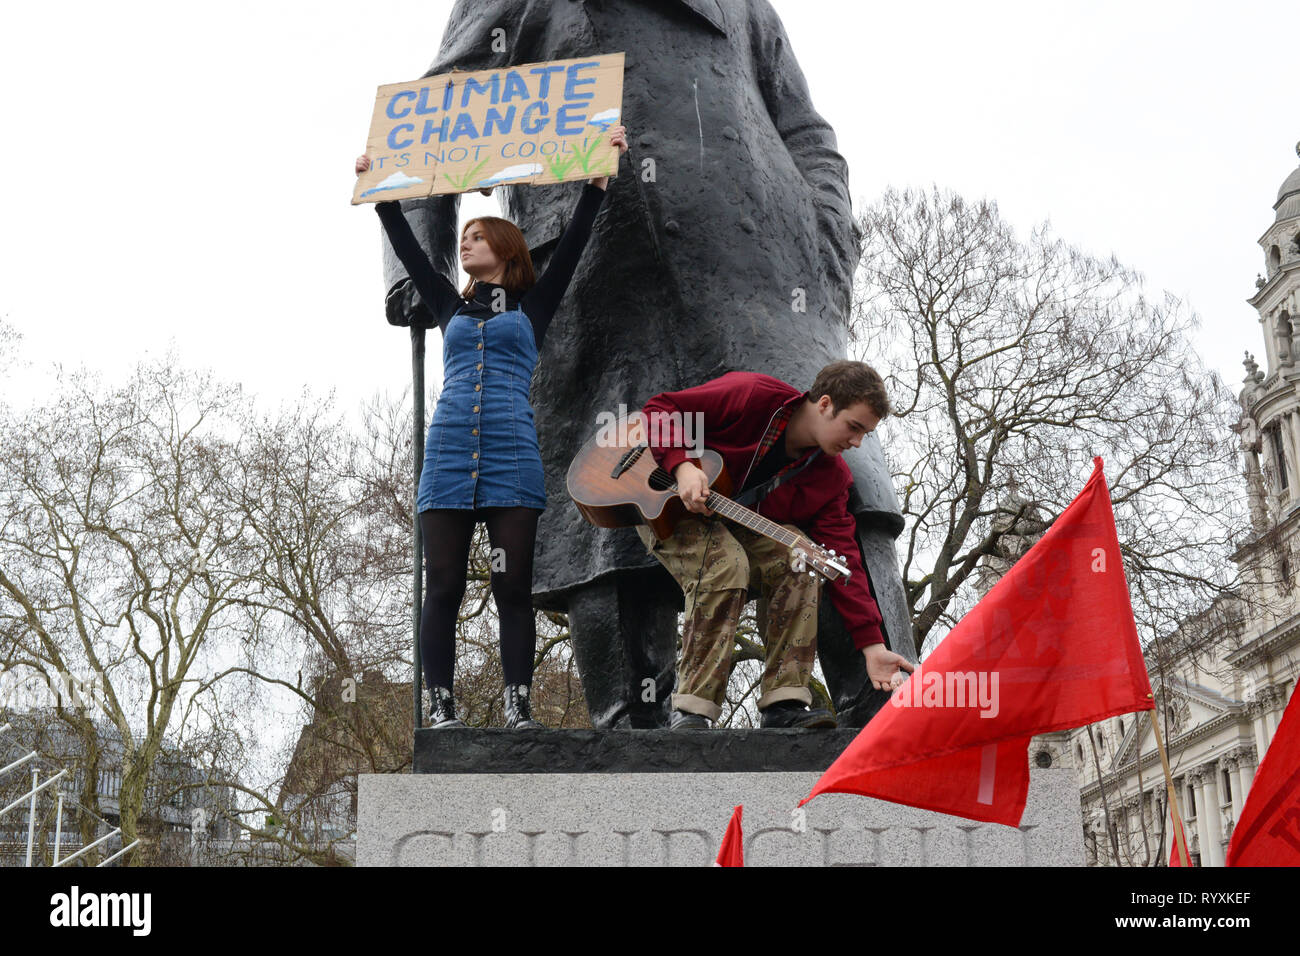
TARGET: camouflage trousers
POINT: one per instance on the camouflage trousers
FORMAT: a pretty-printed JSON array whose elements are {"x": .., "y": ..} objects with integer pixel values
[{"x": 716, "y": 565}]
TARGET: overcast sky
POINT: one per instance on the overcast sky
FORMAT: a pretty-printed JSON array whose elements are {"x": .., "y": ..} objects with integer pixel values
[{"x": 181, "y": 174}]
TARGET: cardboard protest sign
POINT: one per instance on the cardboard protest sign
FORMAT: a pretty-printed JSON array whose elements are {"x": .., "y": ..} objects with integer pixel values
[{"x": 534, "y": 123}]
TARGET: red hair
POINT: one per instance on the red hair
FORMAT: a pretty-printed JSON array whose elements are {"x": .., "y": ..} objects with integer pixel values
[{"x": 507, "y": 244}]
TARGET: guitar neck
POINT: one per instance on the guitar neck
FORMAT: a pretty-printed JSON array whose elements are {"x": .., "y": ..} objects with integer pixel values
[
  {"x": 751, "y": 519},
  {"x": 830, "y": 565}
]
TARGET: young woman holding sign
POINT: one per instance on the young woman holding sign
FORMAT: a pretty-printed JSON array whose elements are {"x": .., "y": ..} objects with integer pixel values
[{"x": 481, "y": 458}]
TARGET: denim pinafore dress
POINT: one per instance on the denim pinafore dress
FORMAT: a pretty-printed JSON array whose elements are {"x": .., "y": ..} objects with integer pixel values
[{"x": 481, "y": 450}]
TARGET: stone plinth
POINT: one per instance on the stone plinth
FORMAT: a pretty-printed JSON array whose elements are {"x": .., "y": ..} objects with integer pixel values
[
  {"x": 658, "y": 798},
  {"x": 626, "y": 751}
]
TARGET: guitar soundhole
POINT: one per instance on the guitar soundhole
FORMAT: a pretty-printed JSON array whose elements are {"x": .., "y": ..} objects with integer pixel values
[{"x": 660, "y": 480}]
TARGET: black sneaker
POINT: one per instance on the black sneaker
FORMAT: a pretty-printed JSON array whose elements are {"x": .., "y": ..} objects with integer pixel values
[
  {"x": 686, "y": 721},
  {"x": 792, "y": 713}
]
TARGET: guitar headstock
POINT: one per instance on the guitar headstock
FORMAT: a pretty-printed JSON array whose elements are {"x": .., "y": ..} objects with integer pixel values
[{"x": 812, "y": 557}]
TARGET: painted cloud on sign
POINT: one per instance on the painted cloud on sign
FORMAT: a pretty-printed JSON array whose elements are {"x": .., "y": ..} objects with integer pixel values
[
  {"x": 512, "y": 172},
  {"x": 604, "y": 119},
  {"x": 395, "y": 181}
]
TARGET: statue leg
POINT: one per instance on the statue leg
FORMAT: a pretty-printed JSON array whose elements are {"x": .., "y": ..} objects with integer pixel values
[
  {"x": 624, "y": 633},
  {"x": 843, "y": 666}
]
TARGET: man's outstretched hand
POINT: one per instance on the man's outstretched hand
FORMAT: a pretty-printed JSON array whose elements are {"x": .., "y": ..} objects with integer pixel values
[{"x": 884, "y": 667}]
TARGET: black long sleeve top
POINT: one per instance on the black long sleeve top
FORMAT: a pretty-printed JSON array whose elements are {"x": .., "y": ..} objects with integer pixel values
[{"x": 538, "y": 303}]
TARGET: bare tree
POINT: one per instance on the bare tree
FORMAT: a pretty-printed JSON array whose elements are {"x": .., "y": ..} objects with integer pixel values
[
  {"x": 211, "y": 571},
  {"x": 9, "y": 341},
  {"x": 327, "y": 559},
  {"x": 1010, "y": 364},
  {"x": 109, "y": 542}
]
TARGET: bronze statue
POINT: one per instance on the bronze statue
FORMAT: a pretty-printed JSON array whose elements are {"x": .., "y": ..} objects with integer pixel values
[{"x": 727, "y": 243}]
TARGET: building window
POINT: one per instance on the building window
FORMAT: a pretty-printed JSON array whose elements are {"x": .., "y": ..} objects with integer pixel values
[
  {"x": 1279, "y": 455},
  {"x": 1227, "y": 786},
  {"x": 1274, "y": 260},
  {"x": 1191, "y": 802}
]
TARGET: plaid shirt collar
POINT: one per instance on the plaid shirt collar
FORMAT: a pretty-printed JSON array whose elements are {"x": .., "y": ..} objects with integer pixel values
[{"x": 776, "y": 430}]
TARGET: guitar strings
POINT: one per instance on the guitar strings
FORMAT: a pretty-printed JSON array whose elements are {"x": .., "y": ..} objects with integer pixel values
[{"x": 661, "y": 480}]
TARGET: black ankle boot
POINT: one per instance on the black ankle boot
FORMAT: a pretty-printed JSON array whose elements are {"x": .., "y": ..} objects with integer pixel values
[
  {"x": 442, "y": 710},
  {"x": 518, "y": 715},
  {"x": 683, "y": 720},
  {"x": 794, "y": 713}
]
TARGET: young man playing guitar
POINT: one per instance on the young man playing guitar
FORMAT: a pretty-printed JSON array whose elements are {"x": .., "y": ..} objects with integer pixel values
[{"x": 784, "y": 447}]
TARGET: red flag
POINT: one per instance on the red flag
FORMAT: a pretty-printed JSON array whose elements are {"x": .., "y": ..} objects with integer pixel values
[
  {"x": 1175, "y": 858},
  {"x": 732, "y": 851},
  {"x": 1268, "y": 833},
  {"x": 1053, "y": 645}
]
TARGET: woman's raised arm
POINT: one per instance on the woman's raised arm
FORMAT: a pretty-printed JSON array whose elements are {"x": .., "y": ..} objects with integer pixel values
[
  {"x": 541, "y": 301},
  {"x": 434, "y": 288}
]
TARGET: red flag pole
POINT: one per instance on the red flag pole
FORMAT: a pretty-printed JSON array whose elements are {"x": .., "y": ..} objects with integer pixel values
[{"x": 1173, "y": 795}]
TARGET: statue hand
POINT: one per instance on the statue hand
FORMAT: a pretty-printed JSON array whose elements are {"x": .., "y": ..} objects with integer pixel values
[{"x": 403, "y": 306}]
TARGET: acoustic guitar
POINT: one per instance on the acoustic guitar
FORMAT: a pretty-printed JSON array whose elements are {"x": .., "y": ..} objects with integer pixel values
[{"x": 617, "y": 484}]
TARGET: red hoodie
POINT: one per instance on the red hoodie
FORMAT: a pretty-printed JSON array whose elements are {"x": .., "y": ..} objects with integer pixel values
[{"x": 737, "y": 408}]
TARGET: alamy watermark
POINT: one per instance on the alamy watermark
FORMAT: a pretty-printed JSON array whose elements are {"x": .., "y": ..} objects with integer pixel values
[
  {"x": 975, "y": 689},
  {"x": 661, "y": 429},
  {"x": 31, "y": 690},
  {"x": 75, "y": 908}
]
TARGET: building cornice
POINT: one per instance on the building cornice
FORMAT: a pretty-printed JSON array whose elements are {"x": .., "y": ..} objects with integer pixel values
[
  {"x": 1274, "y": 282},
  {"x": 1267, "y": 645},
  {"x": 1277, "y": 225},
  {"x": 1289, "y": 521},
  {"x": 1277, "y": 400}
]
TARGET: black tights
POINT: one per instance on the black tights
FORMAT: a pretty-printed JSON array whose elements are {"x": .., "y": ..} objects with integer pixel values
[{"x": 447, "y": 535}]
